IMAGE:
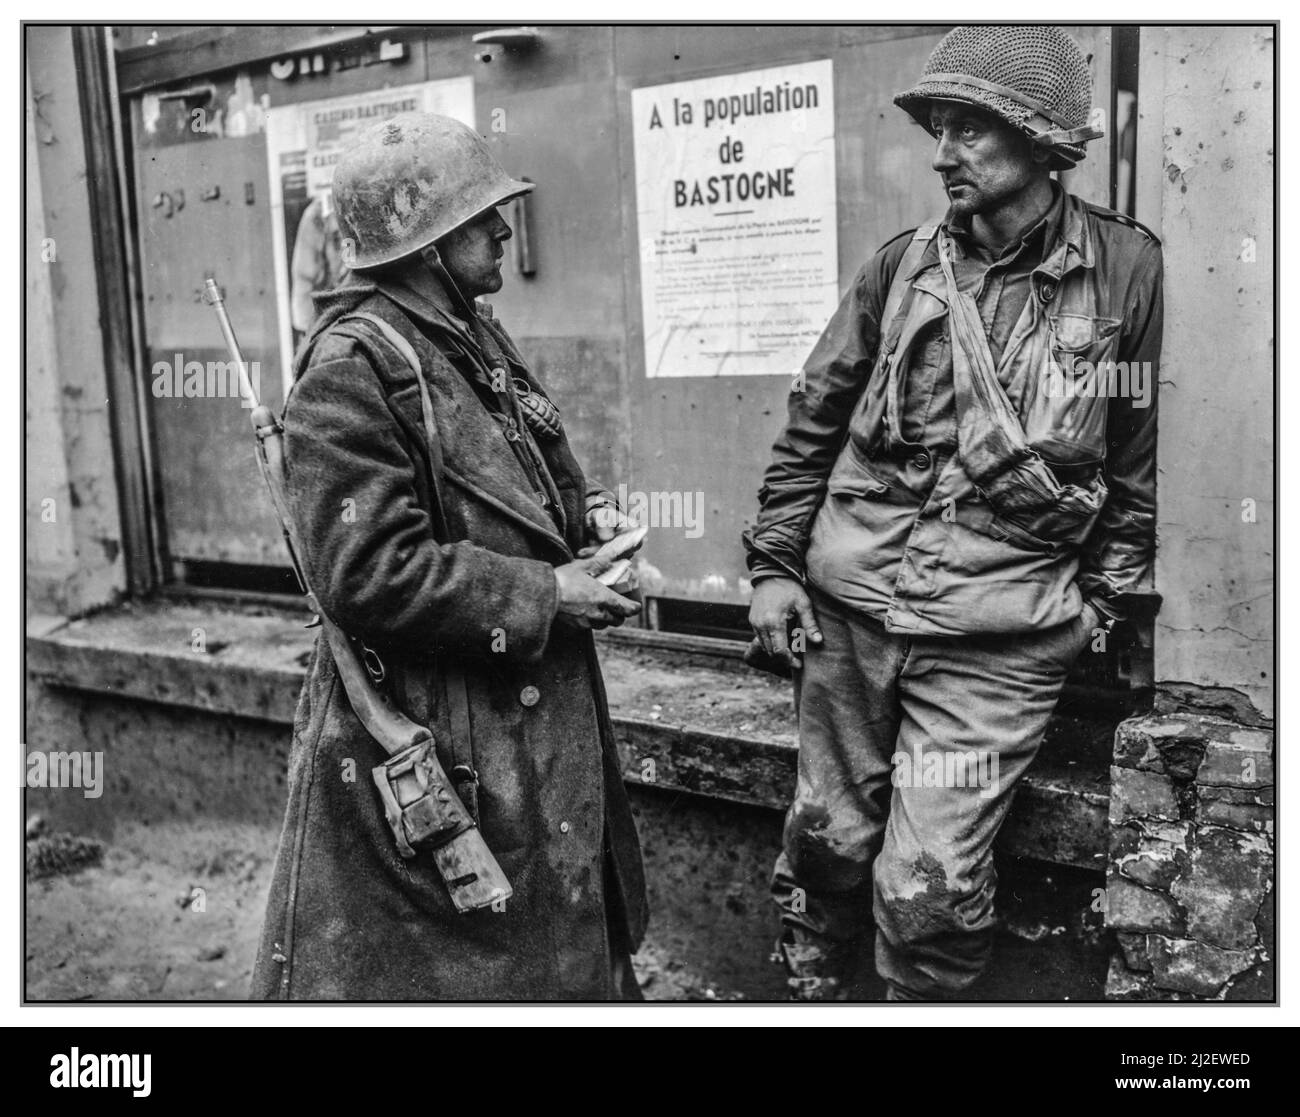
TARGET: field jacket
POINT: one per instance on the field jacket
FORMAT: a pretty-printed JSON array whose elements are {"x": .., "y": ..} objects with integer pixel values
[{"x": 1050, "y": 495}]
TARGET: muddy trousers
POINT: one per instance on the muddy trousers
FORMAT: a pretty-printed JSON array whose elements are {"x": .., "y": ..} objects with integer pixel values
[{"x": 910, "y": 749}]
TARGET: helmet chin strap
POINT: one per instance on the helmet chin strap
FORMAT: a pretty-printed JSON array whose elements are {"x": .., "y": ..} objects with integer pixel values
[{"x": 433, "y": 261}]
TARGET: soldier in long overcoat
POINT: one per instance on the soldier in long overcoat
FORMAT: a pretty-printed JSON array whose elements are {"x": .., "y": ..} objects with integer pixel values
[{"x": 441, "y": 514}]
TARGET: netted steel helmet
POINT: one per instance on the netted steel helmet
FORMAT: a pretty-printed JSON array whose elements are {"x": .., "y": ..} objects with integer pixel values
[
  {"x": 411, "y": 180},
  {"x": 1034, "y": 78}
]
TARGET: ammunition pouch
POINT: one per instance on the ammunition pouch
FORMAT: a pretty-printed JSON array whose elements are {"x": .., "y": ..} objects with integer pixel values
[{"x": 422, "y": 808}]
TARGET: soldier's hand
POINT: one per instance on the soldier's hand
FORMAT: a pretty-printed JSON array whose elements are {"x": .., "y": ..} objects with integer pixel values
[
  {"x": 602, "y": 523},
  {"x": 586, "y": 603},
  {"x": 777, "y": 602}
]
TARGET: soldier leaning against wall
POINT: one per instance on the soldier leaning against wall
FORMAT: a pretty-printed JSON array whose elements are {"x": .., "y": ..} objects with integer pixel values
[{"x": 958, "y": 502}]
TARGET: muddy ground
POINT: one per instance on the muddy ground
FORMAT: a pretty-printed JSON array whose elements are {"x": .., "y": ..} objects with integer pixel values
[{"x": 172, "y": 913}]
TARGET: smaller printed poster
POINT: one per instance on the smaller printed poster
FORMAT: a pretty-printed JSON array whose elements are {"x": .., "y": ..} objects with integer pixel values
[{"x": 303, "y": 142}]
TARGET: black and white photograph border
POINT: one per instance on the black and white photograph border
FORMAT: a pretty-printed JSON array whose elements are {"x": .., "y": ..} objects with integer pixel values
[{"x": 547, "y": 517}]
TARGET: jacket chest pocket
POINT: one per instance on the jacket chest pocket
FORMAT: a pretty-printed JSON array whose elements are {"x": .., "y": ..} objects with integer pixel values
[
  {"x": 852, "y": 478},
  {"x": 1066, "y": 417},
  {"x": 1082, "y": 338},
  {"x": 855, "y": 487}
]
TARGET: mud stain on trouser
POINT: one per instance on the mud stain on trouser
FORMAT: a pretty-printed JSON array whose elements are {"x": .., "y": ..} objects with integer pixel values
[
  {"x": 848, "y": 720},
  {"x": 934, "y": 937},
  {"x": 822, "y": 880},
  {"x": 826, "y": 853},
  {"x": 910, "y": 861}
]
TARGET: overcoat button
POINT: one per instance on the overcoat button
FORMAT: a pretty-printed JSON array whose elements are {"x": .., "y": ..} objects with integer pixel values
[
  {"x": 530, "y": 696},
  {"x": 921, "y": 461},
  {"x": 564, "y": 827}
]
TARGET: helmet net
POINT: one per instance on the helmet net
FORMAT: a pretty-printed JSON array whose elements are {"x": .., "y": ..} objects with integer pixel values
[{"x": 1043, "y": 65}]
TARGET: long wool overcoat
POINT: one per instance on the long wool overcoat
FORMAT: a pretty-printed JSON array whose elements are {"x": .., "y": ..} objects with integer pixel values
[{"x": 348, "y": 918}]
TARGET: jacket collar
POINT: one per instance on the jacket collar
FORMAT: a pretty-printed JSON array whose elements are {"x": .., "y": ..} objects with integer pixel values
[
  {"x": 477, "y": 456},
  {"x": 1067, "y": 238},
  {"x": 1073, "y": 246},
  {"x": 427, "y": 301}
]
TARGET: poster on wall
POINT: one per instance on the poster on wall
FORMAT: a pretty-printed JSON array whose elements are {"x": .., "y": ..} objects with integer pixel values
[
  {"x": 303, "y": 142},
  {"x": 735, "y": 196}
]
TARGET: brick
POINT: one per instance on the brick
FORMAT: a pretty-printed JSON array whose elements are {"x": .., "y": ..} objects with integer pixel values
[
  {"x": 1237, "y": 807},
  {"x": 1188, "y": 966},
  {"x": 1130, "y": 907},
  {"x": 1255, "y": 796},
  {"x": 1243, "y": 759},
  {"x": 1134, "y": 949},
  {"x": 1122, "y": 984},
  {"x": 1165, "y": 744},
  {"x": 1138, "y": 795},
  {"x": 1266, "y": 925},
  {"x": 1211, "y": 702},
  {"x": 1226, "y": 883},
  {"x": 1154, "y": 854},
  {"x": 1135, "y": 746}
]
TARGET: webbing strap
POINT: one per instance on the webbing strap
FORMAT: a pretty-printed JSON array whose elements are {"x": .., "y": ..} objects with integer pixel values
[
  {"x": 1053, "y": 137},
  {"x": 431, "y": 440},
  {"x": 898, "y": 289},
  {"x": 986, "y": 416},
  {"x": 991, "y": 441},
  {"x": 463, "y": 773},
  {"x": 1002, "y": 91}
]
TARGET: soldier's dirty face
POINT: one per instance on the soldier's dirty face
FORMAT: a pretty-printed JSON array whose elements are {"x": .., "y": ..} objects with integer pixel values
[
  {"x": 472, "y": 253},
  {"x": 983, "y": 161}
]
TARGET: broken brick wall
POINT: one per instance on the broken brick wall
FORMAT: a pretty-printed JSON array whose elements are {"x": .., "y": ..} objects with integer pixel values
[{"x": 1190, "y": 866}]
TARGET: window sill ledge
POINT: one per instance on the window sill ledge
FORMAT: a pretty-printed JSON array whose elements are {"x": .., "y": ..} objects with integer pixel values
[{"x": 709, "y": 729}]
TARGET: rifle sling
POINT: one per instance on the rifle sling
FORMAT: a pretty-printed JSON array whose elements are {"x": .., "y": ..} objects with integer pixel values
[{"x": 462, "y": 772}]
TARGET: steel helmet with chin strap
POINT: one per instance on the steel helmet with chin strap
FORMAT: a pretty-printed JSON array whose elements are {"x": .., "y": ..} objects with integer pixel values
[
  {"x": 1034, "y": 78},
  {"x": 411, "y": 180}
]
